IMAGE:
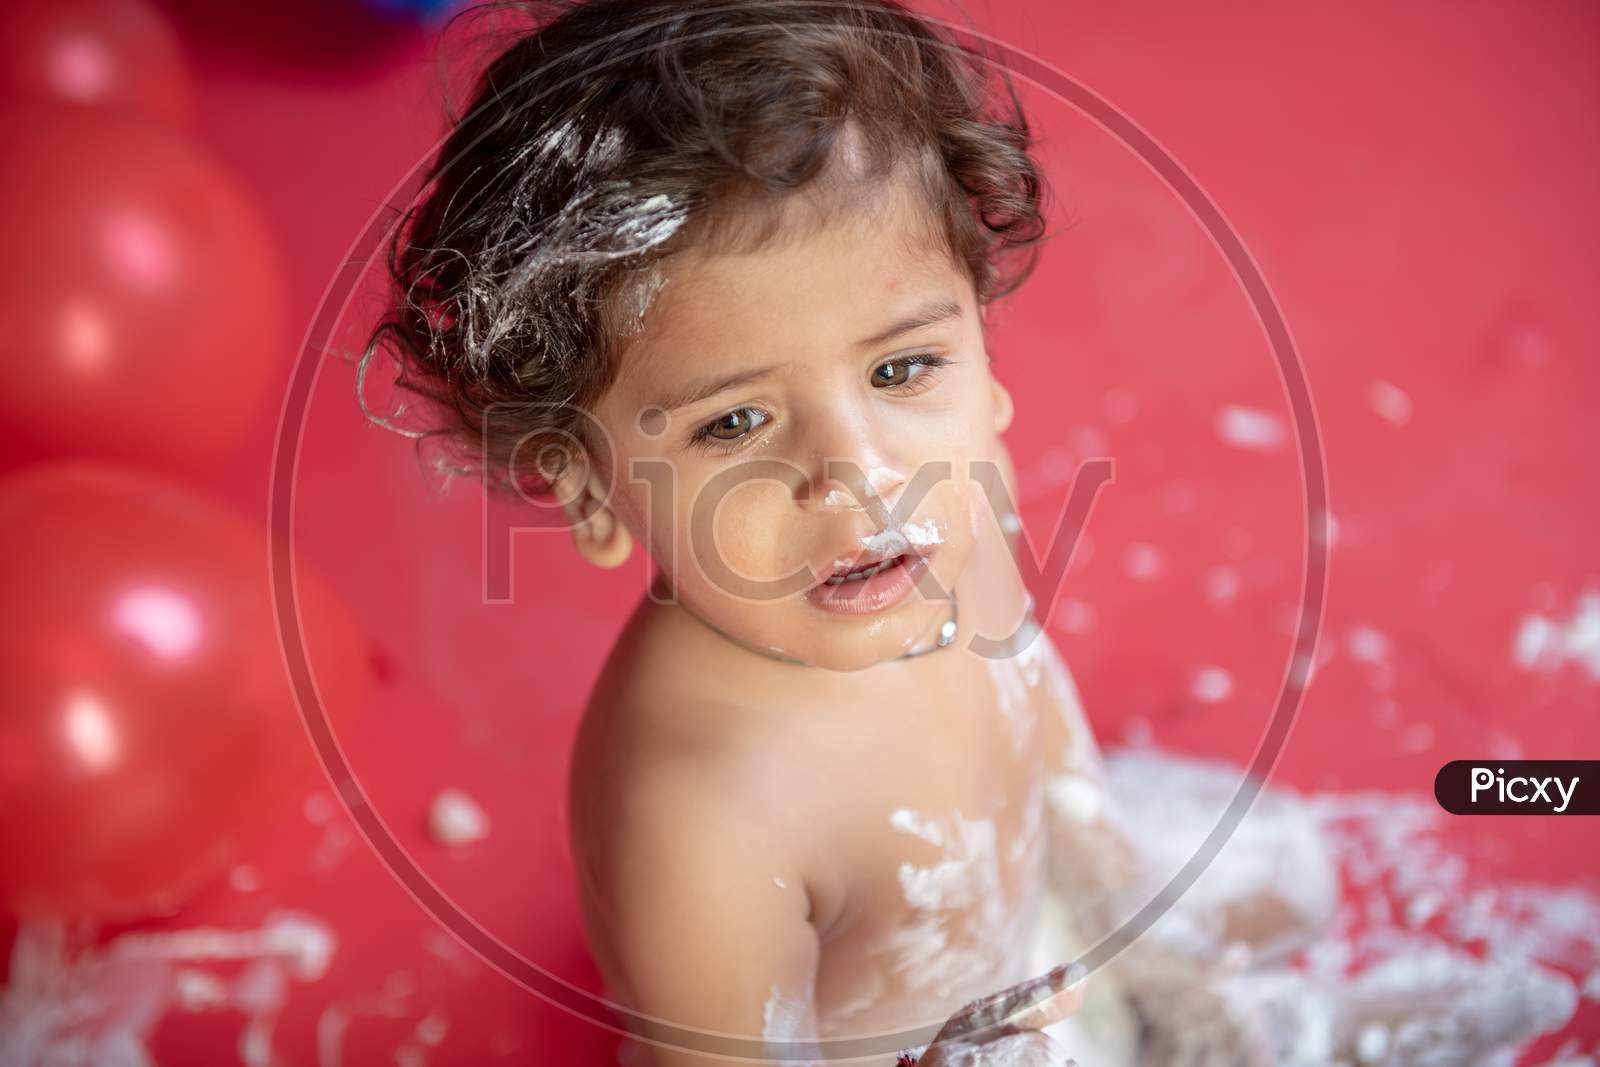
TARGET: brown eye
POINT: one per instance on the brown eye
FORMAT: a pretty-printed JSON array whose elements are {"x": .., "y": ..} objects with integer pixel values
[
  {"x": 896, "y": 372},
  {"x": 735, "y": 424}
]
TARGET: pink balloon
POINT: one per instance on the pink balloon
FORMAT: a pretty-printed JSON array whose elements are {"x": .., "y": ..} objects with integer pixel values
[
  {"x": 142, "y": 303},
  {"x": 116, "y": 54}
]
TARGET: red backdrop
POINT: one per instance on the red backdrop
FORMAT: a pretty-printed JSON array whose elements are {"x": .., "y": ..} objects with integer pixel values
[{"x": 1417, "y": 185}]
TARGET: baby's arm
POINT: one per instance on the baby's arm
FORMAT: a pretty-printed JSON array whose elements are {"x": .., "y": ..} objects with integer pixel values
[{"x": 703, "y": 934}]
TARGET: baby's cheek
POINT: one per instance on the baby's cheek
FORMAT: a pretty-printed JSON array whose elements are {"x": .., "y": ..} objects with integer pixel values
[
  {"x": 961, "y": 507},
  {"x": 742, "y": 546},
  {"x": 629, "y": 510},
  {"x": 976, "y": 503}
]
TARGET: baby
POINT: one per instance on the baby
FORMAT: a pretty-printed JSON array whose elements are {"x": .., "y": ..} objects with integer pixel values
[
  {"x": 802, "y": 803},
  {"x": 714, "y": 277}
]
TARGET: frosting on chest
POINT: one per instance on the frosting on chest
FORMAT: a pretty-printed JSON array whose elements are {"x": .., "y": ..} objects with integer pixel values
[{"x": 955, "y": 916}]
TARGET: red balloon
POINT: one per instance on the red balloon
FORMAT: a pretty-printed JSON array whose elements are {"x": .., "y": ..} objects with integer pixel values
[
  {"x": 104, "y": 53},
  {"x": 147, "y": 724},
  {"x": 142, "y": 302},
  {"x": 317, "y": 39}
]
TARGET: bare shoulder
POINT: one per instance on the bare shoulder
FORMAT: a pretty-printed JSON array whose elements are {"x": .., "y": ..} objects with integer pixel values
[
  {"x": 656, "y": 713},
  {"x": 668, "y": 754},
  {"x": 699, "y": 907},
  {"x": 696, "y": 911},
  {"x": 668, "y": 824}
]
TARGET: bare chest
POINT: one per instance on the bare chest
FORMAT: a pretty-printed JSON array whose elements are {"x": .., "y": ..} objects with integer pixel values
[{"x": 939, "y": 853}]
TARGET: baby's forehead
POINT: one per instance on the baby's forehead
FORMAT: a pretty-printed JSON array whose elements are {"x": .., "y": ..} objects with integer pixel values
[
  {"x": 807, "y": 299},
  {"x": 816, "y": 271}
]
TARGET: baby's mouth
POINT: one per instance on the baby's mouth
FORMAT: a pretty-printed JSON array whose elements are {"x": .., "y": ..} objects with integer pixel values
[
  {"x": 896, "y": 546},
  {"x": 862, "y": 573},
  {"x": 880, "y": 574},
  {"x": 865, "y": 587}
]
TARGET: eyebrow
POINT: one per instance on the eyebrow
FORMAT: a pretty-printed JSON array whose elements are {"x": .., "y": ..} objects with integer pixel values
[
  {"x": 696, "y": 393},
  {"x": 930, "y": 314}
]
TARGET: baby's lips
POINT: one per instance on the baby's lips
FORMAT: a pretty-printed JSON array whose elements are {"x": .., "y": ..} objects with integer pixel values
[
  {"x": 911, "y": 539},
  {"x": 860, "y": 556}
]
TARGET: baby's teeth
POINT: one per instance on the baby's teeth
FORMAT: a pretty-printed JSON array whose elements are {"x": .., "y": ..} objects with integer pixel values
[{"x": 861, "y": 575}]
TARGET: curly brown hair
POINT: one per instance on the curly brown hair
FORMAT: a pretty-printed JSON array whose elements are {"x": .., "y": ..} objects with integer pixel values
[{"x": 613, "y": 133}]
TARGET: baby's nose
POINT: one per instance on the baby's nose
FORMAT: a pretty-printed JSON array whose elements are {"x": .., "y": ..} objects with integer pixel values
[
  {"x": 884, "y": 483},
  {"x": 859, "y": 484}
]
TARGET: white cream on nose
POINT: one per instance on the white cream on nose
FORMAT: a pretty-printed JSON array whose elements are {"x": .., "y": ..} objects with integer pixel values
[
  {"x": 838, "y": 498},
  {"x": 881, "y": 479}
]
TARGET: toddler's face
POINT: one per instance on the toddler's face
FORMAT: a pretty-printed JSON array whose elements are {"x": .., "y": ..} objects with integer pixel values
[{"x": 805, "y": 410}]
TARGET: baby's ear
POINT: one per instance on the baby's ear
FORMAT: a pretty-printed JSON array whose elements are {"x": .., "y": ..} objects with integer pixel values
[
  {"x": 598, "y": 534},
  {"x": 1003, "y": 409}
]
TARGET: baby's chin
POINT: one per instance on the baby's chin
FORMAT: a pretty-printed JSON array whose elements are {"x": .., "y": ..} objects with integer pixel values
[{"x": 853, "y": 644}]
